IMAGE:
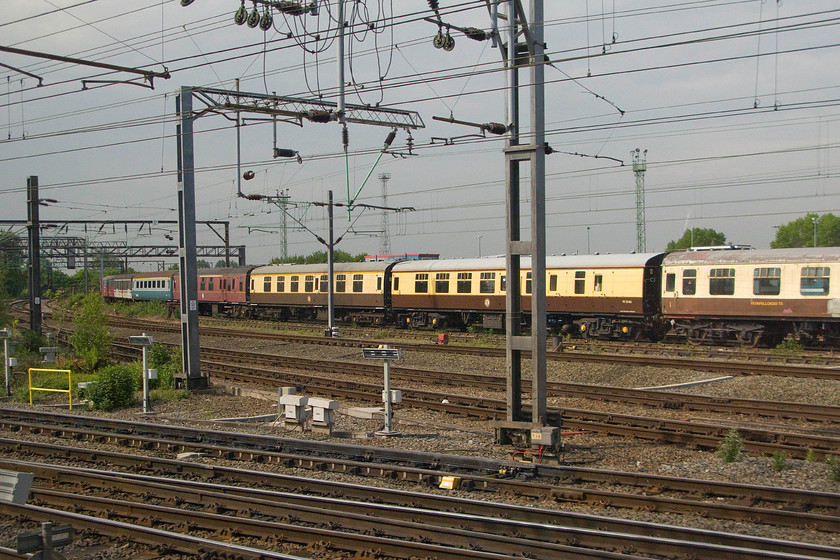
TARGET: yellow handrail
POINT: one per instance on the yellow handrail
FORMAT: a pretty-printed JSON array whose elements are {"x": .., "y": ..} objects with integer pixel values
[{"x": 67, "y": 390}]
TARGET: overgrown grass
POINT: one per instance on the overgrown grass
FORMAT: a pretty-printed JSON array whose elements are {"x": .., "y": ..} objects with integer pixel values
[
  {"x": 47, "y": 380},
  {"x": 140, "y": 309}
]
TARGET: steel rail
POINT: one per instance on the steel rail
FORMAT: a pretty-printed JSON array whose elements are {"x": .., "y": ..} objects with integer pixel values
[
  {"x": 155, "y": 538},
  {"x": 431, "y": 477},
  {"x": 11, "y": 554},
  {"x": 337, "y": 541},
  {"x": 784, "y": 497},
  {"x": 398, "y": 521},
  {"x": 647, "y": 397},
  {"x": 411, "y": 499},
  {"x": 700, "y": 434},
  {"x": 685, "y": 358}
]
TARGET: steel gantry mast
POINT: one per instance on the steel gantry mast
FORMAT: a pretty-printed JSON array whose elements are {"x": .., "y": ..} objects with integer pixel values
[
  {"x": 219, "y": 102},
  {"x": 524, "y": 48}
]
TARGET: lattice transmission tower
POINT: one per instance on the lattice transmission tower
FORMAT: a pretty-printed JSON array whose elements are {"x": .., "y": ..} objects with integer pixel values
[
  {"x": 385, "y": 239},
  {"x": 639, "y": 168}
]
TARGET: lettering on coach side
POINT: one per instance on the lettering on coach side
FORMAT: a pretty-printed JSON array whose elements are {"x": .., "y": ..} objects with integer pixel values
[{"x": 774, "y": 303}]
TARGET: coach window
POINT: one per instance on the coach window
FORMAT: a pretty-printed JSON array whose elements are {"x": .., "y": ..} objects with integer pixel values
[
  {"x": 358, "y": 283},
  {"x": 396, "y": 287},
  {"x": 464, "y": 282},
  {"x": 266, "y": 284},
  {"x": 552, "y": 283},
  {"x": 580, "y": 281},
  {"x": 670, "y": 282},
  {"x": 815, "y": 280},
  {"x": 599, "y": 283},
  {"x": 421, "y": 283},
  {"x": 767, "y": 281},
  {"x": 503, "y": 283},
  {"x": 294, "y": 283},
  {"x": 241, "y": 281},
  {"x": 308, "y": 283},
  {"x": 378, "y": 283},
  {"x": 280, "y": 284},
  {"x": 211, "y": 284},
  {"x": 442, "y": 283},
  {"x": 324, "y": 284},
  {"x": 689, "y": 282},
  {"x": 487, "y": 283},
  {"x": 722, "y": 281},
  {"x": 528, "y": 283},
  {"x": 252, "y": 284},
  {"x": 340, "y": 282}
]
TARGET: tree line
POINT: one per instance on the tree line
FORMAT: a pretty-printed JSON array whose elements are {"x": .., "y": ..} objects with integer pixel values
[{"x": 811, "y": 230}]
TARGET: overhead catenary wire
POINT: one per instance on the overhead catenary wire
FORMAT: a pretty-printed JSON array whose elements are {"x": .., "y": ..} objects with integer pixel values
[
  {"x": 174, "y": 61},
  {"x": 675, "y": 121}
]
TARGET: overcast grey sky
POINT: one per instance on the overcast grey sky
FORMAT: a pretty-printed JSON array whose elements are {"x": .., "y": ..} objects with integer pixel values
[{"x": 737, "y": 103}]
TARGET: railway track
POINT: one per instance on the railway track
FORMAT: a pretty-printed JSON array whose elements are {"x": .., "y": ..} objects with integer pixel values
[
  {"x": 402, "y": 529},
  {"x": 706, "y": 435},
  {"x": 784, "y": 507},
  {"x": 655, "y": 399},
  {"x": 722, "y": 362},
  {"x": 702, "y": 435}
]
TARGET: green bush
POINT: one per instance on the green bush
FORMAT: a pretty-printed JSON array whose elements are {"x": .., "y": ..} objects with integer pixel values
[
  {"x": 30, "y": 342},
  {"x": 809, "y": 456},
  {"x": 731, "y": 447},
  {"x": 788, "y": 346},
  {"x": 167, "y": 361},
  {"x": 113, "y": 388},
  {"x": 75, "y": 301},
  {"x": 91, "y": 340}
]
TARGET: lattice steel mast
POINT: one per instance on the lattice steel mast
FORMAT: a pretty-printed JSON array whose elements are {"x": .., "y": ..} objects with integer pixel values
[
  {"x": 639, "y": 168},
  {"x": 385, "y": 239}
]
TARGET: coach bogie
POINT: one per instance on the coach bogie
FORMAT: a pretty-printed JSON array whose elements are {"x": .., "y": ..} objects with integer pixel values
[
  {"x": 609, "y": 328},
  {"x": 745, "y": 333}
]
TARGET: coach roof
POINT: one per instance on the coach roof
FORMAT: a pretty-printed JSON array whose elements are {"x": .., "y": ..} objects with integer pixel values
[
  {"x": 755, "y": 256},
  {"x": 631, "y": 260}
]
